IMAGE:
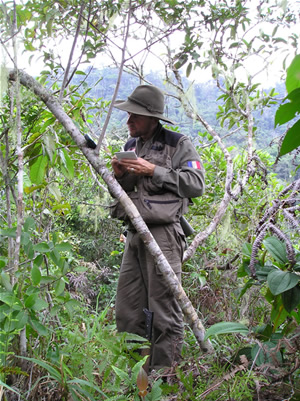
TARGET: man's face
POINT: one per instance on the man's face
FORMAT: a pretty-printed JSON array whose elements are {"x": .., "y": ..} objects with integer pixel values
[{"x": 141, "y": 126}]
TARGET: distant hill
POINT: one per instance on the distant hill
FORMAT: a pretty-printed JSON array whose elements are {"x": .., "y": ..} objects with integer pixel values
[{"x": 204, "y": 95}]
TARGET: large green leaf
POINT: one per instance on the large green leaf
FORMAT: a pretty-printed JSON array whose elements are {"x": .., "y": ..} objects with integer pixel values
[
  {"x": 38, "y": 169},
  {"x": 9, "y": 232},
  {"x": 59, "y": 287},
  {"x": 293, "y": 75},
  {"x": 38, "y": 327},
  {"x": 35, "y": 275},
  {"x": 247, "y": 249},
  {"x": 291, "y": 298},
  {"x": 21, "y": 319},
  {"x": 42, "y": 247},
  {"x": 277, "y": 249},
  {"x": 3, "y": 261},
  {"x": 287, "y": 111},
  {"x": 266, "y": 353},
  {"x": 291, "y": 140},
  {"x": 63, "y": 246},
  {"x": 226, "y": 328},
  {"x": 30, "y": 300},
  {"x": 5, "y": 281},
  {"x": 56, "y": 258},
  {"x": 280, "y": 281}
]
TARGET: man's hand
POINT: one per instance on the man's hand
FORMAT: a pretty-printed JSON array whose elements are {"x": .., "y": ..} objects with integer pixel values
[
  {"x": 133, "y": 166},
  {"x": 118, "y": 168}
]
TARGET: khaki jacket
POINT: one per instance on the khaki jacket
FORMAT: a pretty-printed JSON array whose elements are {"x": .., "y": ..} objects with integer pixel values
[{"x": 178, "y": 166}]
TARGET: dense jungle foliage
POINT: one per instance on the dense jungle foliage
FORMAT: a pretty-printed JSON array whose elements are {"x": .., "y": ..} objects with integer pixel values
[{"x": 60, "y": 251}]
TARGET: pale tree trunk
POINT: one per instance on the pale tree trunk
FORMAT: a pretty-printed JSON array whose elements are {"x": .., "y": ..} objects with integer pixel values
[
  {"x": 23, "y": 339},
  {"x": 119, "y": 194},
  {"x": 8, "y": 190}
]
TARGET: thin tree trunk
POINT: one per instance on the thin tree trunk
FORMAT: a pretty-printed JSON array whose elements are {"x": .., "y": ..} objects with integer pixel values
[
  {"x": 23, "y": 338},
  {"x": 6, "y": 178}
]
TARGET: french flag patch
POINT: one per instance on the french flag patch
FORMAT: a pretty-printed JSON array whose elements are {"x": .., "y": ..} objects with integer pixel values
[{"x": 194, "y": 164}]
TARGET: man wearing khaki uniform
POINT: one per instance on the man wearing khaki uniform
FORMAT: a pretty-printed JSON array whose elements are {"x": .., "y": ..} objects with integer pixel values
[{"x": 166, "y": 174}]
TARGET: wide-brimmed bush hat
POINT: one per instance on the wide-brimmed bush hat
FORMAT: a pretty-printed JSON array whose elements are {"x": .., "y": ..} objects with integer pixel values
[{"x": 145, "y": 100}]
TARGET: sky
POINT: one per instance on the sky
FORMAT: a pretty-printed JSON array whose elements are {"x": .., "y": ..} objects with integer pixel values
[{"x": 269, "y": 77}]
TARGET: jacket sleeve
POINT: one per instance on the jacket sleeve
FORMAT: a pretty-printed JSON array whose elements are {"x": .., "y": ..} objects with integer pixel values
[{"x": 186, "y": 177}]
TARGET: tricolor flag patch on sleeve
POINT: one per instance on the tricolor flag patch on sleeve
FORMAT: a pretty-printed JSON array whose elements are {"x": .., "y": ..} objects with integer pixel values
[{"x": 194, "y": 164}]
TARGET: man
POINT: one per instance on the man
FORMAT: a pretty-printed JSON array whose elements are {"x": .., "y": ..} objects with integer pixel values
[{"x": 160, "y": 182}]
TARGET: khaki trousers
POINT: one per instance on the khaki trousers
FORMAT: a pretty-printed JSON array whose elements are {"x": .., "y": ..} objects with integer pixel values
[{"x": 141, "y": 285}]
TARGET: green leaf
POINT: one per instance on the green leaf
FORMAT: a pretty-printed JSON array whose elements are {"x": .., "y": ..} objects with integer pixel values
[
  {"x": 278, "y": 312},
  {"x": 29, "y": 224},
  {"x": 121, "y": 374},
  {"x": 56, "y": 258},
  {"x": 291, "y": 298},
  {"x": 53, "y": 371},
  {"x": 10, "y": 299},
  {"x": 30, "y": 301},
  {"x": 71, "y": 305},
  {"x": 67, "y": 164},
  {"x": 3, "y": 262},
  {"x": 21, "y": 320},
  {"x": 277, "y": 249},
  {"x": 38, "y": 260},
  {"x": 87, "y": 384},
  {"x": 9, "y": 232},
  {"x": 49, "y": 143},
  {"x": 293, "y": 75},
  {"x": 36, "y": 275},
  {"x": 5, "y": 281},
  {"x": 78, "y": 72},
  {"x": 226, "y": 328},
  {"x": 2, "y": 384},
  {"x": 156, "y": 391},
  {"x": 294, "y": 96},
  {"x": 42, "y": 247},
  {"x": 55, "y": 191},
  {"x": 38, "y": 169},
  {"x": 74, "y": 396},
  {"x": 38, "y": 327},
  {"x": 39, "y": 305},
  {"x": 262, "y": 272},
  {"x": 247, "y": 249},
  {"x": 63, "y": 247},
  {"x": 59, "y": 287},
  {"x": 248, "y": 285},
  {"x": 137, "y": 367},
  {"x": 65, "y": 268},
  {"x": 189, "y": 69},
  {"x": 25, "y": 239},
  {"x": 265, "y": 353},
  {"x": 47, "y": 279},
  {"x": 286, "y": 112},
  {"x": 291, "y": 140},
  {"x": 280, "y": 281},
  {"x": 28, "y": 248}
]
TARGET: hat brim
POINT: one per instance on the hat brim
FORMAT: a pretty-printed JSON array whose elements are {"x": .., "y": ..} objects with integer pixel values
[{"x": 132, "y": 107}]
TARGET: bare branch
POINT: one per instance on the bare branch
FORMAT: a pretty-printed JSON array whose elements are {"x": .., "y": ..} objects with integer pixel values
[
  {"x": 126, "y": 34},
  {"x": 71, "y": 53}
]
